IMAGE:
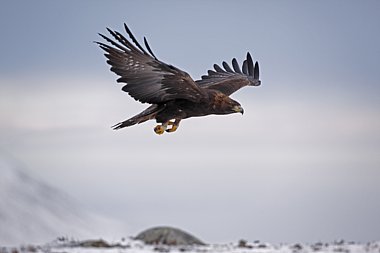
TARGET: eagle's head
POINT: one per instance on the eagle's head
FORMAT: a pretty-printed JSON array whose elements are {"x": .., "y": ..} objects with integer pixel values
[
  {"x": 223, "y": 104},
  {"x": 235, "y": 107}
]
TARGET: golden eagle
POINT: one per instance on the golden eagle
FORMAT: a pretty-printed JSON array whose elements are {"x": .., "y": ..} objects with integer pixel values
[{"x": 172, "y": 93}]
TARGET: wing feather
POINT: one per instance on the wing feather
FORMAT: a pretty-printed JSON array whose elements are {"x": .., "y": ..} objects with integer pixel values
[
  {"x": 133, "y": 38},
  {"x": 227, "y": 67},
  {"x": 245, "y": 67},
  {"x": 256, "y": 71},
  {"x": 218, "y": 68},
  {"x": 235, "y": 65},
  {"x": 147, "y": 79},
  {"x": 148, "y": 47},
  {"x": 229, "y": 80},
  {"x": 250, "y": 64}
]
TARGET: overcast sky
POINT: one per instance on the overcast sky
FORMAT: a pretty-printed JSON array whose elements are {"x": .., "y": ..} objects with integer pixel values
[{"x": 302, "y": 164}]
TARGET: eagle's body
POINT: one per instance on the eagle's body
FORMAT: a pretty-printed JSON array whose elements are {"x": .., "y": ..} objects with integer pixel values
[{"x": 174, "y": 95}]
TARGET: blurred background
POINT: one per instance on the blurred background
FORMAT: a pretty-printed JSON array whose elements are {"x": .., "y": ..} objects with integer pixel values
[{"x": 302, "y": 164}]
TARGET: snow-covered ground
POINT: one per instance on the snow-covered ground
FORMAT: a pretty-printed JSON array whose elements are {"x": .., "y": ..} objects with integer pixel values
[
  {"x": 32, "y": 213},
  {"x": 129, "y": 246}
]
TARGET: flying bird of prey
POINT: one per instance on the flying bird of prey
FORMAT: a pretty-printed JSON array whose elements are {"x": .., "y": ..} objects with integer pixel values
[{"x": 172, "y": 93}]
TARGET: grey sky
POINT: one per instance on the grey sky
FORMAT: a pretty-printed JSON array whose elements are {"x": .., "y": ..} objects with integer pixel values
[{"x": 302, "y": 164}]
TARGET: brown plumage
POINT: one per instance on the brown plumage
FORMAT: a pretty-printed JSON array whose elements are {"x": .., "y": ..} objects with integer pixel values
[{"x": 172, "y": 93}]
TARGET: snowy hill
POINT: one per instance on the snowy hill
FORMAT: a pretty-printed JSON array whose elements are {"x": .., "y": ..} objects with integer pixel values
[{"x": 31, "y": 211}]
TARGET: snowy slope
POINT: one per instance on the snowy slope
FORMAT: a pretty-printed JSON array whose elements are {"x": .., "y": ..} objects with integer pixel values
[{"x": 31, "y": 211}]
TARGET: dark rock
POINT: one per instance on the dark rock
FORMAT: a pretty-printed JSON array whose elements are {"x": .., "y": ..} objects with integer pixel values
[
  {"x": 296, "y": 247},
  {"x": 317, "y": 246},
  {"x": 162, "y": 249},
  {"x": 339, "y": 242},
  {"x": 243, "y": 244},
  {"x": 262, "y": 246},
  {"x": 168, "y": 236},
  {"x": 29, "y": 248},
  {"x": 94, "y": 244}
]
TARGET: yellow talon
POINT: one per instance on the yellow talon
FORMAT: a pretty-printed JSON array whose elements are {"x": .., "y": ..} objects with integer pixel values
[
  {"x": 159, "y": 129},
  {"x": 172, "y": 129},
  {"x": 174, "y": 125}
]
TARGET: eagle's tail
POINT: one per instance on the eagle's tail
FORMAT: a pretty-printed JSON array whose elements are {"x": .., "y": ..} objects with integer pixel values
[{"x": 147, "y": 114}]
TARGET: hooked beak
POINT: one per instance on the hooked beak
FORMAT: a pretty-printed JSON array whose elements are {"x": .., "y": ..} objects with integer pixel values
[
  {"x": 257, "y": 83},
  {"x": 238, "y": 108}
]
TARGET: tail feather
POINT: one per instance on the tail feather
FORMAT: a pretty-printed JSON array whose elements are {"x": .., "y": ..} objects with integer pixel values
[
  {"x": 126, "y": 123},
  {"x": 147, "y": 114}
]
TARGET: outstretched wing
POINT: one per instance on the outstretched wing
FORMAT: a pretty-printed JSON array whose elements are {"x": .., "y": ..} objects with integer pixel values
[
  {"x": 229, "y": 80},
  {"x": 147, "y": 79}
]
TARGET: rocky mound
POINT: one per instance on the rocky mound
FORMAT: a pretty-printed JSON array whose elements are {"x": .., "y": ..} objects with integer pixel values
[{"x": 168, "y": 236}]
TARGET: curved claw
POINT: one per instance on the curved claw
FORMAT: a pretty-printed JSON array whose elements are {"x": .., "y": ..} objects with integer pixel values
[
  {"x": 172, "y": 129},
  {"x": 159, "y": 129},
  {"x": 174, "y": 125}
]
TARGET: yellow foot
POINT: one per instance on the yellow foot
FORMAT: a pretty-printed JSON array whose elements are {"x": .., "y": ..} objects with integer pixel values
[
  {"x": 172, "y": 129},
  {"x": 174, "y": 125},
  {"x": 159, "y": 129}
]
